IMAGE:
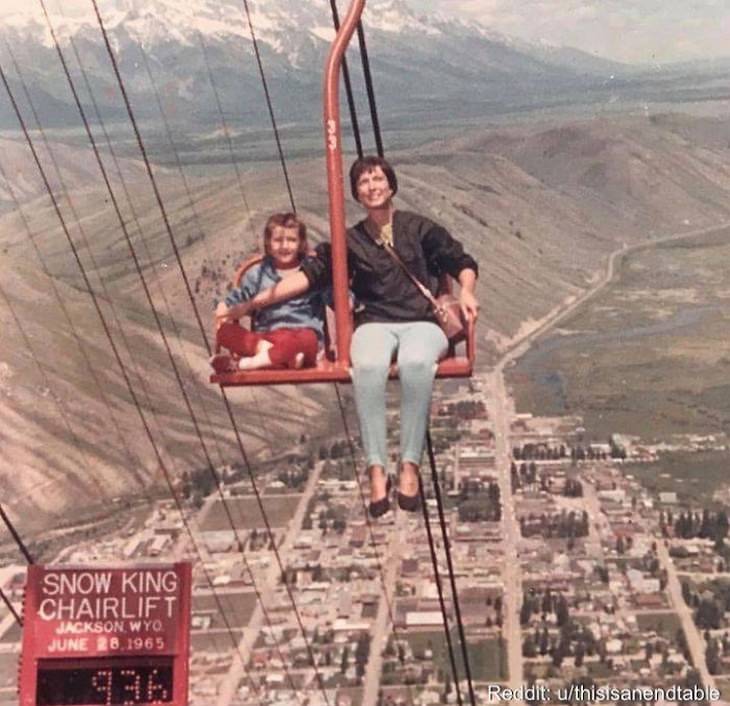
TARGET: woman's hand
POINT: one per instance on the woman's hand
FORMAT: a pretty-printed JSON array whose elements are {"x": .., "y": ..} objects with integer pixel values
[{"x": 469, "y": 305}]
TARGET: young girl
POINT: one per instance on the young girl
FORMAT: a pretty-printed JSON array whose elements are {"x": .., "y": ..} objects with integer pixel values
[{"x": 286, "y": 335}]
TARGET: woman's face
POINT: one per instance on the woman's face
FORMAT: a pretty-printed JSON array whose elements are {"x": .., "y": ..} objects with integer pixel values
[
  {"x": 284, "y": 246},
  {"x": 373, "y": 190}
]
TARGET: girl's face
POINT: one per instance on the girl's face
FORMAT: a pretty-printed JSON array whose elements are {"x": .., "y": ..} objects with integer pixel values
[{"x": 284, "y": 246}]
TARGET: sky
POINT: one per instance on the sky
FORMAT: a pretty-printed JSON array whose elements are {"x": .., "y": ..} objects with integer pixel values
[{"x": 632, "y": 31}]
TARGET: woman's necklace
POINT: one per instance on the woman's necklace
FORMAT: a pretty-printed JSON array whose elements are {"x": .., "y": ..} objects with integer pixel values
[{"x": 380, "y": 234}]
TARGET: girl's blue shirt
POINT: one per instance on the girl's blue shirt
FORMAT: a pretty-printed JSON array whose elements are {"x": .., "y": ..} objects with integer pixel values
[{"x": 305, "y": 311}]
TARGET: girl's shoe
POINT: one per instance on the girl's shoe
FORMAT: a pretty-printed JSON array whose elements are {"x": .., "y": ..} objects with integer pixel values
[
  {"x": 222, "y": 363},
  {"x": 377, "y": 508}
]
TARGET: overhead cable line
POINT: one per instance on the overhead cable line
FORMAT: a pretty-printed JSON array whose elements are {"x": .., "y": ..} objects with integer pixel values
[
  {"x": 450, "y": 565},
  {"x": 84, "y": 238},
  {"x": 148, "y": 296},
  {"x": 269, "y": 104},
  {"x": 439, "y": 588},
  {"x": 11, "y": 608},
  {"x": 57, "y": 399},
  {"x": 348, "y": 86},
  {"x": 105, "y": 326},
  {"x": 111, "y": 415},
  {"x": 368, "y": 522},
  {"x": 150, "y": 260},
  {"x": 370, "y": 89},
  {"x": 15, "y": 535},
  {"x": 160, "y": 460},
  {"x": 202, "y": 330}
]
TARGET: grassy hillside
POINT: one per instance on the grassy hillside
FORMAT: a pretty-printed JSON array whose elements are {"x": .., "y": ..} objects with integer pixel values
[{"x": 539, "y": 207}]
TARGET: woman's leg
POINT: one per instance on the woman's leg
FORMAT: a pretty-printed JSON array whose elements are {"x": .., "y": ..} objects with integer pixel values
[
  {"x": 371, "y": 352},
  {"x": 421, "y": 345}
]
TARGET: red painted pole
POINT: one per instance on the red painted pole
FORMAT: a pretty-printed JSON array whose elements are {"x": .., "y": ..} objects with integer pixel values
[{"x": 335, "y": 179}]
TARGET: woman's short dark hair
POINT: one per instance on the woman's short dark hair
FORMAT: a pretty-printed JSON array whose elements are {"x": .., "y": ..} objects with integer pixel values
[
  {"x": 367, "y": 164},
  {"x": 285, "y": 220}
]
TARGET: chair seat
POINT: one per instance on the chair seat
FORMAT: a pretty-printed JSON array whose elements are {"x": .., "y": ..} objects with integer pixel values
[{"x": 327, "y": 372}]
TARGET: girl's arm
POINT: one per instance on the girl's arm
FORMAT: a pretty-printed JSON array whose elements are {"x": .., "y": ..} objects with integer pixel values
[
  {"x": 289, "y": 287},
  {"x": 234, "y": 307}
]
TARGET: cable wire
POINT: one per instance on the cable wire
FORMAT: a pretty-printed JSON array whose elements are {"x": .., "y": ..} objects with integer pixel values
[
  {"x": 269, "y": 104},
  {"x": 111, "y": 415},
  {"x": 224, "y": 125},
  {"x": 370, "y": 89},
  {"x": 86, "y": 244},
  {"x": 135, "y": 218},
  {"x": 439, "y": 588},
  {"x": 15, "y": 535},
  {"x": 160, "y": 460},
  {"x": 11, "y": 607},
  {"x": 57, "y": 399},
  {"x": 348, "y": 86},
  {"x": 202, "y": 330},
  {"x": 450, "y": 565},
  {"x": 155, "y": 313}
]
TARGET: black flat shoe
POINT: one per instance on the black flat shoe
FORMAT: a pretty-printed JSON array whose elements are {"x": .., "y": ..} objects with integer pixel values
[
  {"x": 409, "y": 503},
  {"x": 377, "y": 508}
]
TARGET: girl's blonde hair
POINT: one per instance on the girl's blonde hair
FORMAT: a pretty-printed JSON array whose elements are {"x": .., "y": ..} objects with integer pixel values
[{"x": 285, "y": 220}]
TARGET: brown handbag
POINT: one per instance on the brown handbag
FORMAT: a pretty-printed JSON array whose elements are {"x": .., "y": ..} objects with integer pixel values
[{"x": 446, "y": 307}]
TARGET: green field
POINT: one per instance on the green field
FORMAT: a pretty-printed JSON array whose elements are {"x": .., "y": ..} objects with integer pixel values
[
  {"x": 663, "y": 624},
  {"x": 237, "y": 607},
  {"x": 487, "y": 658},
  {"x": 218, "y": 641},
  {"x": 246, "y": 514},
  {"x": 649, "y": 355},
  {"x": 695, "y": 477}
]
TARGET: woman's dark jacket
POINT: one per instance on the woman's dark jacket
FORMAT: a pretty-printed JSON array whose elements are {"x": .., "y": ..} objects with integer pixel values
[{"x": 382, "y": 290}]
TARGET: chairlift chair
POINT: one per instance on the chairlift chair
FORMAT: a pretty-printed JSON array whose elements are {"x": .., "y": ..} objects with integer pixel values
[{"x": 335, "y": 367}]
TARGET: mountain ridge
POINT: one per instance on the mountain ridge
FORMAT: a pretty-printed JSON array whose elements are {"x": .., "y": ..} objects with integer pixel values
[{"x": 451, "y": 58}]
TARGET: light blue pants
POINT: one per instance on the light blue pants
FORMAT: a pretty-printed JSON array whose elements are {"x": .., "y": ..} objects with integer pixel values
[{"x": 419, "y": 346}]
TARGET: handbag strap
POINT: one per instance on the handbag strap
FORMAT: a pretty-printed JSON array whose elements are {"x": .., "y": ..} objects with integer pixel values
[{"x": 421, "y": 287}]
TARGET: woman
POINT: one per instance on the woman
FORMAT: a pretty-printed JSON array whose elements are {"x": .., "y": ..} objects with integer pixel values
[{"x": 392, "y": 318}]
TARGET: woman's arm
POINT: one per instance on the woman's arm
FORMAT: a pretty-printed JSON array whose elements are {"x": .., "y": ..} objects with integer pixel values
[
  {"x": 469, "y": 303},
  {"x": 289, "y": 287}
]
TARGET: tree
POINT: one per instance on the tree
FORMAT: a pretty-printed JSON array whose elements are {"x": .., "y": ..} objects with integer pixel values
[
  {"x": 362, "y": 650},
  {"x": 561, "y": 611},
  {"x": 525, "y": 613},
  {"x": 529, "y": 649}
]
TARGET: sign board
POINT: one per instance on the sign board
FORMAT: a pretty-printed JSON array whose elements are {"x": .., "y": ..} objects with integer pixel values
[{"x": 106, "y": 635}]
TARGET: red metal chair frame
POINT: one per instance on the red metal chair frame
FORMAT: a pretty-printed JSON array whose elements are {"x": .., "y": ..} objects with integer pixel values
[{"x": 338, "y": 370}]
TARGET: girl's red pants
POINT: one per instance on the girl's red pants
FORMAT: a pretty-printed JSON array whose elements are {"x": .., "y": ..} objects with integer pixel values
[{"x": 286, "y": 343}]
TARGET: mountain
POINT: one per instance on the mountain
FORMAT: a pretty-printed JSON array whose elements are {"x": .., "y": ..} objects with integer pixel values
[
  {"x": 540, "y": 207},
  {"x": 425, "y": 64}
]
